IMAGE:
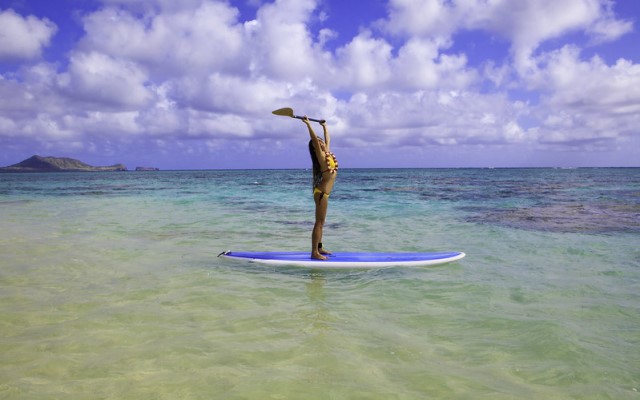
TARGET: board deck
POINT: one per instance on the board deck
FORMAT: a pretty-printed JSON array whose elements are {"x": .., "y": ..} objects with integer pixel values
[{"x": 344, "y": 259}]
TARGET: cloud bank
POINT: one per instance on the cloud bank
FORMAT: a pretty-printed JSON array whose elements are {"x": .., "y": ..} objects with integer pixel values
[
  {"x": 161, "y": 74},
  {"x": 23, "y": 38}
]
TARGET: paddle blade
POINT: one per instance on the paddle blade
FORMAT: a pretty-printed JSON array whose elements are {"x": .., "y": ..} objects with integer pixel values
[{"x": 285, "y": 112}]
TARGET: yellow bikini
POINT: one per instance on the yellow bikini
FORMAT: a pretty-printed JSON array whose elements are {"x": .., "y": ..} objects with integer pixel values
[
  {"x": 332, "y": 162},
  {"x": 332, "y": 167},
  {"x": 316, "y": 190}
]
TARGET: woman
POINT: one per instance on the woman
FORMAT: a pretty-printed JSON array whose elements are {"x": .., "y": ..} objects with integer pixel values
[{"x": 325, "y": 170}]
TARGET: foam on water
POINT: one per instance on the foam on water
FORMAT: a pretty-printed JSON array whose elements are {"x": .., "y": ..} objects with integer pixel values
[{"x": 110, "y": 286}]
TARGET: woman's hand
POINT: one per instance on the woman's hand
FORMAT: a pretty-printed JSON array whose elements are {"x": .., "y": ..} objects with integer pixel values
[{"x": 305, "y": 119}]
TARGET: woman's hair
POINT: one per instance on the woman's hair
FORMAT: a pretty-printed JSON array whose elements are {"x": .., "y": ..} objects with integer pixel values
[{"x": 317, "y": 172}]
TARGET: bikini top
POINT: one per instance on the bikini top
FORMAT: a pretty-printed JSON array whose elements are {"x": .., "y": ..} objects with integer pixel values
[{"x": 332, "y": 162}]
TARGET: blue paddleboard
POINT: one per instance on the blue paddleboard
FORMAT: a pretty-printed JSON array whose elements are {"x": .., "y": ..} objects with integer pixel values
[{"x": 344, "y": 260}]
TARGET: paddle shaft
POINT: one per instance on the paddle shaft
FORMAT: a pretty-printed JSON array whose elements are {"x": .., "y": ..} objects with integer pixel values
[
  {"x": 310, "y": 119},
  {"x": 288, "y": 112}
]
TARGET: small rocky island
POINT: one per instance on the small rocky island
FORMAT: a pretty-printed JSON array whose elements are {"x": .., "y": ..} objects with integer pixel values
[
  {"x": 147, "y": 169},
  {"x": 57, "y": 164}
]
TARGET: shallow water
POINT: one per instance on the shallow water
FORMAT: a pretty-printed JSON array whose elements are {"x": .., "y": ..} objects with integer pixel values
[{"x": 110, "y": 286}]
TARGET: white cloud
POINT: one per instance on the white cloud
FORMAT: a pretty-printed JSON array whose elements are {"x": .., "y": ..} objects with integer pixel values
[
  {"x": 607, "y": 27},
  {"x": 586, "y": 100},
  {"x": 142, "y": 6},
  {"x": 8, "y": 126},
  {"x": 281, "y": 45},
  {"x": 121, "y": 125},
  {"x": 422, "y": 18},
  {"x": 363, "y": 63},
  {"x": 219, "y": 126},
  {"x": 31, "y": 95},
  {"x": 47, "y": 126},
  {"x": 432, "y": 117},
  {"x": 23, "y": 38},
  {"x": 368, "y": 63},
  {"x": 525, "y": 23},
  {"x": 530, "y": 22},
  {"x": 232, "y": 94},
  {"x": 180, "y": 72},
  {"x": 582, "y": 101},
  {"x": 106, "y": 81},
  {"x": 591, "y": 85},
  {"x": 188, "y": 40},
  {"x": 416, "y": 66}
]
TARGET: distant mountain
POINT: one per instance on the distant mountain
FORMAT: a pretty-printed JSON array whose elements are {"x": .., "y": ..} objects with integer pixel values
[{"x": 57, "y": 164}]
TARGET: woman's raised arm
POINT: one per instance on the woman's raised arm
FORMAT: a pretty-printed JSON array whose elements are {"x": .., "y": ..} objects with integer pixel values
[
  {"x": 327, "y": 138},
  {"x": 314, "y": 139}
]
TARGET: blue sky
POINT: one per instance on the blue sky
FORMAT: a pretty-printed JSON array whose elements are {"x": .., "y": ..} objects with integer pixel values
[{"x": 402, "y": 83}]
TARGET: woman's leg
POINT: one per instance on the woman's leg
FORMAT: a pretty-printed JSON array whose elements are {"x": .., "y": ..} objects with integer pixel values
[{"x": 322, "y": 203}]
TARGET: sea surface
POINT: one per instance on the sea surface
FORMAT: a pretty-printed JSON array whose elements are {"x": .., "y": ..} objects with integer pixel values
[{"x": 111, "y": 288}]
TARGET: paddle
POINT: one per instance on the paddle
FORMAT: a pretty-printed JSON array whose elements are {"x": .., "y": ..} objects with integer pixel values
[{"x": 288, "y": 112}]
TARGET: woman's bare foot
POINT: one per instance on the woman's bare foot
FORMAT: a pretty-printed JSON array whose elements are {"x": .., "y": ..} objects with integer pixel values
[
  {"x": 323, "y": 251},
  {"x": 317, "y": 256}
]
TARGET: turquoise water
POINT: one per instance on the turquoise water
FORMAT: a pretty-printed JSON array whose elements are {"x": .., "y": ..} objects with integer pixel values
[{"x": 110, "y": 286}]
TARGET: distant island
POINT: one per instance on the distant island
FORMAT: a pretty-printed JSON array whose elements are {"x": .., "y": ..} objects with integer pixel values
[
  {"x": 57, "y": 164},
  {"x": 147, "y": 169}
]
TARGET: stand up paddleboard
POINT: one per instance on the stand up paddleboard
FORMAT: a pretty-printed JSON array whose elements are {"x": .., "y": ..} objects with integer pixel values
[{"x": 343, "y": 260}]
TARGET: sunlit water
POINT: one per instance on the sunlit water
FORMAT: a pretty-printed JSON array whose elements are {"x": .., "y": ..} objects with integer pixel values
[{"x": 110, "y": 286}]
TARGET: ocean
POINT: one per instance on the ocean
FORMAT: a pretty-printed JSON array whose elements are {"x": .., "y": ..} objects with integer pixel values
[{"x": 111, "y": 288}]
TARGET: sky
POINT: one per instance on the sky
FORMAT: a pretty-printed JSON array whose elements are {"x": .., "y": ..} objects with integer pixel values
[{"x": 401, "y": 83}]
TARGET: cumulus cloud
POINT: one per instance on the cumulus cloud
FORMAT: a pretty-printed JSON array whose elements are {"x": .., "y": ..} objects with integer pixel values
[
  {"x": 364, "y": 62},
  {"x": 282, "y": 45},
  {"x": 590, "y": 85},
  {"x": 586, "y": 100},
  {"x": 175, "y": 72},
  {"x": 29, "y": 98},
  {"x": 607, "y": 26},
  {"x": 525, "y": 23},
  {"x": 191, "y": 40},
  {"x": 446, "y": 117},
  {"x": 423, "y": 18},
  {"x": 420, "y": 65},
  {"x": 104, "y": 80},
  {"x": 23, "y": 38},
  {"x": 528, "y": 23}
]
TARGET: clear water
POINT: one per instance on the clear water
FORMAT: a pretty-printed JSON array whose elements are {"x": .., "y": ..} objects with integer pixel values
[{"x": 110, "y": 286}]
